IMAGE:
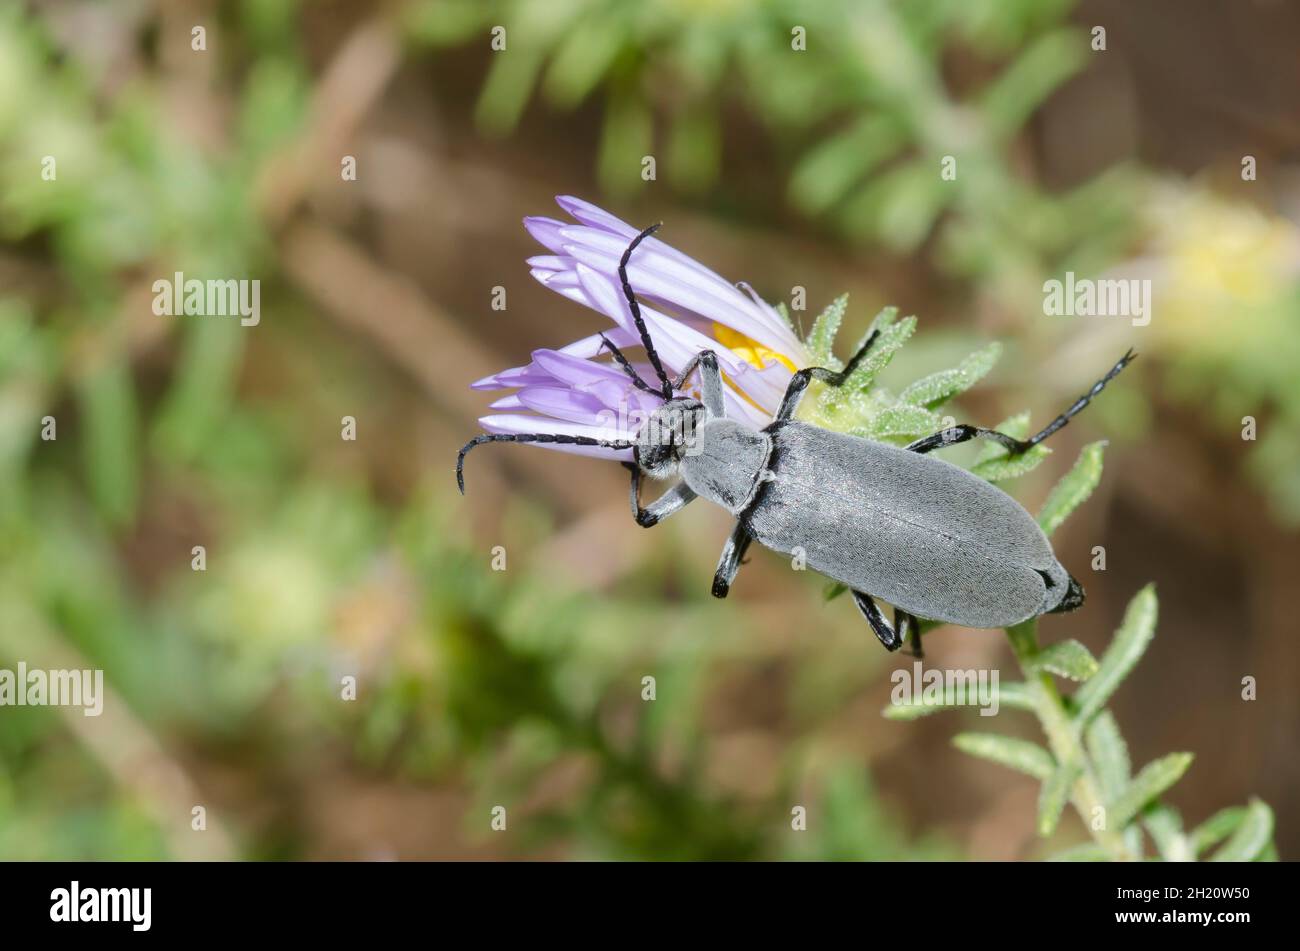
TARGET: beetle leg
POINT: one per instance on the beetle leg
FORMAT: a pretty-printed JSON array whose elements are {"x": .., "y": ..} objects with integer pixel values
[
  {"x": 658, "y": 510},
  {"x": 908, "y": 629},
  {"x": 710, "y": 382},
  {"x": 799, "y": 382},
  {"x": 957, "y": 434},
  {"x": 888, "y": 636},
  {"x": 733, "y": 553}
]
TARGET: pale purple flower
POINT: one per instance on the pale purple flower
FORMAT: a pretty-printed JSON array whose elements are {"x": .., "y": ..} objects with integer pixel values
[{"x": 578, "y": 390}]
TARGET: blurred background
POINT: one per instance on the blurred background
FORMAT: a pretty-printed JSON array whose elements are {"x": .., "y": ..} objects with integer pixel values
[{"x": 327, "y": 558}]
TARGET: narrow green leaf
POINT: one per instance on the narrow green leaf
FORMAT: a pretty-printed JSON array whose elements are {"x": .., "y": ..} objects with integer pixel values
[
  {"x": 1054, "y": 795},
  {"x": 1009, "y": 100},
  {"x": 1109, "y": 754},
  {"x": 627, "y": 135},
  {"x": 1130, "y": 641},
  {"x": 1017, "y": 426},
  {"x": 1217, "y": 828},
  {"x": 1150, "y": 782},
  {"x": 1011, "y": 467},
  {"x": 1067, "y": 659},
  {"x": 893, "y": 334},
  {"x": 1166, "y": 829},
  {"x": 821, "y": 338},
  {"x": 694, "y": 148},
  {"x": 1252, "y": 837},
  {"x": 936, "y": 389},
  {"x": 1073, "y": 489},
  {"x": 996, "y": 464},
  {"x": 582, "y": 59},
  {"x": 444, "y": 24},
  {"x": 202, "y": 391},
  {"x": 506, "y": 90},
  {"x": 1014, "y": 696},
  {"x": 903, "y": 420},
  {"x": 831, "y": 168},
  {"x": 1021, "y": 755},
  {"x": 1087, "y": 852},
  {"x": 898, "y": 207},
  {"x": 108, "y": 406}
]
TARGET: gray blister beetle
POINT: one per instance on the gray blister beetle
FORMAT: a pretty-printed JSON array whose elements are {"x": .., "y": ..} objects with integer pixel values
[{"x": 891, "y": 522}]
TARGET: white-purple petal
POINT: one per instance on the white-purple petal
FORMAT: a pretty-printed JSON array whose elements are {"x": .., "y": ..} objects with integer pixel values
[
  {"x": 567, "y": 403},
  {"x": 546, "y": 231},
  {"x": 687, "y": 285}
]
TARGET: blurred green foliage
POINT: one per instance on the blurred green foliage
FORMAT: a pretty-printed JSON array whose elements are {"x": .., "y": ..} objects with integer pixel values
[
  {"x": 851, "y": 94},
  {"x": 471, "y": 679}
]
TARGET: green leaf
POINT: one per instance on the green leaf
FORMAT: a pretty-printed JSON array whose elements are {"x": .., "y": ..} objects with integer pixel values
[
  {"x": 830, "y": 169},
  {"x": 1017, "y": 426},
  {"x": 1154, "y": 779},
  {"x": 1109, "y": 754},
  {"x": 627, "y": 136},
  {"x": 1130, "y": 641},
  {"x": 1008, "y": 101},
  {"x": 694, "y": 148},
  {"x": 443, "y": 24},
  {"x": 1217, "y": 828},
  {"x": 1252, "y": 838},
  {"x": 1015, "y": 696},
  {"x": 821, "y": 339},
  {"x": 1067, "y": 659},
  {"x": 936, "y": 389},
  {"x": 1166, "y": 829},
  {"x": 1021, "y": 755},
  {"x": 903, "y": 420},
  {"x": 1011, "y": 467},
  {"x": 202, "y": 390},
  {"x": 507, "y": 88},
  {"x": 1086, "y": 852},
  {"x": 908, "y": 199},
  {"x": 1054, "y": 795},
  {"x": 1073, "y": 489},
  {"x": 996, "y": 464},
  {"x": 893, "y": 334},
  {"x": 582, "y": 59},
  {"x": 108, "y": 405}
]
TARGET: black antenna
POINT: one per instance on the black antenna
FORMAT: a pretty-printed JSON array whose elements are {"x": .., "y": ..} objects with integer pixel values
[
  {"x": 636, "y": 312},
  {"x": 532, "y": 437},
  {"x": 626, "y": 364}
]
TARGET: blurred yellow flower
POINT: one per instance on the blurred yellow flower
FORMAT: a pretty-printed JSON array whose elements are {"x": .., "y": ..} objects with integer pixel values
[{"x": 1222, "y": 261}]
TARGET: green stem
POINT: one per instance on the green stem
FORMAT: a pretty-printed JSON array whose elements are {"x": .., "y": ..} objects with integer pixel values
[{"x": 1065, "y": 740}]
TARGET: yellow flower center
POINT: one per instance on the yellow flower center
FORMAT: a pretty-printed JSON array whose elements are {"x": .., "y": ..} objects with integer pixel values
[
  {"x": 753, "y": 353},
  {"x": 750, "y": 350}
]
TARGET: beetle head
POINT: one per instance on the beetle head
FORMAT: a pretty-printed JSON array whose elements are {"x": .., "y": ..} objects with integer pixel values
[{"x": 668, "y": 436}]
